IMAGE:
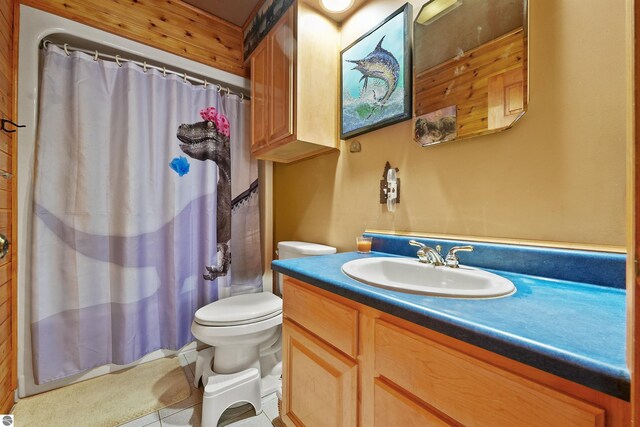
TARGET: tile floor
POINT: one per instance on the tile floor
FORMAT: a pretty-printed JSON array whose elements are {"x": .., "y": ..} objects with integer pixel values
[{"x": 187, "y": 412}]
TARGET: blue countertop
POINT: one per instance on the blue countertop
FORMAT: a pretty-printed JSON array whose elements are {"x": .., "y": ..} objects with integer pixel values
[{"x": 573, "y": 330}]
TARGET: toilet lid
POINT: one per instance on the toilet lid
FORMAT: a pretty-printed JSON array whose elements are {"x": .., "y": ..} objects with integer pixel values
[{"x": 240, "y": 310}]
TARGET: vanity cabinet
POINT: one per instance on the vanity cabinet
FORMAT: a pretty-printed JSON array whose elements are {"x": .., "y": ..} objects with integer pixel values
[
  {"x": 294, "y": 88},
  {"x": 346, "y": 364}
]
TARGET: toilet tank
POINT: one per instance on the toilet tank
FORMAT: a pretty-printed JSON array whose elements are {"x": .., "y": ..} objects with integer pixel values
[{"x": 293, "y": 249}]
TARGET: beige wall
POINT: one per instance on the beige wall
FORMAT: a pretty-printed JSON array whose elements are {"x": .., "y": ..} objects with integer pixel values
[{"x": 558, "y": 175}]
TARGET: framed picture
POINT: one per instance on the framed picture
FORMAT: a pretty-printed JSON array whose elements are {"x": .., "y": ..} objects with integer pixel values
[
  {"x": 375, "y": 77},
  {"x": 436, "y": 127}
]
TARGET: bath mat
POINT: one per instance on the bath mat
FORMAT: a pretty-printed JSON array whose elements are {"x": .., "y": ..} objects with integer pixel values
[{"x": 109, "y": 400}]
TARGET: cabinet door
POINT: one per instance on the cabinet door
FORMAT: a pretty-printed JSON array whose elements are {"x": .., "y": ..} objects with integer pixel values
[
  {"x": 394, "y": 408},
  {"x": 259, "y": 95},
  {"x": 320, "y": 384},
  {"x": 281, "y": 78}
]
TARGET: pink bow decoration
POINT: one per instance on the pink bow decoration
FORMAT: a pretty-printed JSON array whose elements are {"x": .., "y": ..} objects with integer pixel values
[{"x": 218, "y": 119}]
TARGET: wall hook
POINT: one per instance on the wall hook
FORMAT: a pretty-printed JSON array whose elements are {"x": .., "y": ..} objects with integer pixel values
[{"x": 3, "y": 122}]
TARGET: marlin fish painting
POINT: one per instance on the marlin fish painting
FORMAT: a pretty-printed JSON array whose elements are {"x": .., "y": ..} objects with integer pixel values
[
  {"x": 379, "y": 64},
  {"x": 376, "y": 77}
]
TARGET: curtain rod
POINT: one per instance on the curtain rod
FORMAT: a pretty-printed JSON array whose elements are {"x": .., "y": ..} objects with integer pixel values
[{"x": 118, "y": 60}]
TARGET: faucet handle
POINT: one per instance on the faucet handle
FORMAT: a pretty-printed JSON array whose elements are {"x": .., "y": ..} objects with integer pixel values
[
  {"x": 422, "y": 252},
  {"x": 418, "y": 244},
  {"x": 452, "y": 258}
]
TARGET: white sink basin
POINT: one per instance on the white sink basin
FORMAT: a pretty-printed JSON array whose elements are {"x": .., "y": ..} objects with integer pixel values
[{"x": 409, "y": 275}]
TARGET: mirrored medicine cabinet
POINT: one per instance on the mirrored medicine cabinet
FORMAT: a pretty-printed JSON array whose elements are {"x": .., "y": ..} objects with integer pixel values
[{"x": 470, "y": 68}]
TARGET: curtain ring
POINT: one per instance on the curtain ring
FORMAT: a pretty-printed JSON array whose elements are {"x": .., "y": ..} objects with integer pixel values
[
  {"x": 241, "y": 96},
  {"x": 228, "y": 92},
  {"x": 65, "y": 50},
  {"x": 205, "y": 83},
  {"x": 45, "y": 44},
  {"x": 118, "y": 61},
  {"x": 164, "y": 71},
  {"x": 185, "y": 76},
  {"x": 144, "y": 66},
  {"x": 219, "y": 88},
  {"x": 95, "y": 57}
]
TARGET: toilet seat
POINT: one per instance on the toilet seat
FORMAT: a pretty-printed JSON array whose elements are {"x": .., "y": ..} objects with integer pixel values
[{"x": 240, "y": 310}]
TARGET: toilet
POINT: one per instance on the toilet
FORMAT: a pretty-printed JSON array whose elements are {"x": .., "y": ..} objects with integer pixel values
[{"x": 244, "y": 362}]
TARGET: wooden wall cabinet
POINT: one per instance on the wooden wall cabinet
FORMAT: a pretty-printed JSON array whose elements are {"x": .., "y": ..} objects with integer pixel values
[
  {"x": 346, "y": 364},
  {"x": 294, "y": 88}
]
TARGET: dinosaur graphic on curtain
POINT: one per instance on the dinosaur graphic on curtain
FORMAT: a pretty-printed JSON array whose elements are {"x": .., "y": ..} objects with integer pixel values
[{"x": 210, "y": 140}]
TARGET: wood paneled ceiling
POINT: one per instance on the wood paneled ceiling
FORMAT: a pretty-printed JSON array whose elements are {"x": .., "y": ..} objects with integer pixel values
[{"x": 236, "y": 11}]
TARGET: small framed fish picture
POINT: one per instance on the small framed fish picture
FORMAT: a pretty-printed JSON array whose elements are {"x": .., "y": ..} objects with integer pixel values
[{"x": 375, "y": 77}]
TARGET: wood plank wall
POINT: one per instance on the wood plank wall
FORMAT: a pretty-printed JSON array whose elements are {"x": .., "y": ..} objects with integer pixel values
[
  {"x": 464, "y": 82},
  {"x": 170, "y": 25},
  {"x": 633, "y": 237},
  {"x": 8, "y": 322}
]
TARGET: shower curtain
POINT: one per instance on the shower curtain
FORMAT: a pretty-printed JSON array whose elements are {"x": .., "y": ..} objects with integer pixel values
[{"x": 124, "y": 221}]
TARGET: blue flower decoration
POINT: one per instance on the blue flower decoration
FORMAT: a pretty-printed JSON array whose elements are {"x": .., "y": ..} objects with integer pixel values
[{"x": 180, "y": 165}]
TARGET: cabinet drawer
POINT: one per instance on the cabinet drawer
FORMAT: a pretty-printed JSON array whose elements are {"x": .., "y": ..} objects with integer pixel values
[
  {"x": 393, "y": 408},
  {"x": 472, "y": 392},
  {"x": 335, "y": 323}
]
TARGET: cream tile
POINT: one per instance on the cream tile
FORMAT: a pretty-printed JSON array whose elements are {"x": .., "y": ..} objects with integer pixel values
[
  {"x": 189, "y": 359},
  {"x": 188, "y": 372},
  {"x": 183, "y": 360},
  {"x": 194, "y": 399},
  {"x": 278, "y": 422},
  {"x": 191, "y": 356},
  {"x": 156, "y": 424},
  {"x": 243, "y": 416},
  {"x": 270, "y": 406},
  {"x": 270, "y": 396},
  {"x": 143, "y": 421},
  {"x": 233, "y": 415},
  {"x": 189, "y": 417},
  {"x": 259, "y": 421}
]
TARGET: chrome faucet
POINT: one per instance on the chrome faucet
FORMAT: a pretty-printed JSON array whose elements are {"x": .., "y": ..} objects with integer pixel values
[
  {"x": 427, "y": 254},
  {"x": 452, "y": 258}
]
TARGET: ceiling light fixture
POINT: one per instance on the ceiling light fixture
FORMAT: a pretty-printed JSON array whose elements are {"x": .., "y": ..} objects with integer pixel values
[
  {"x": 434, "y": 8},
  {"x": 336, "y": 6}
]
